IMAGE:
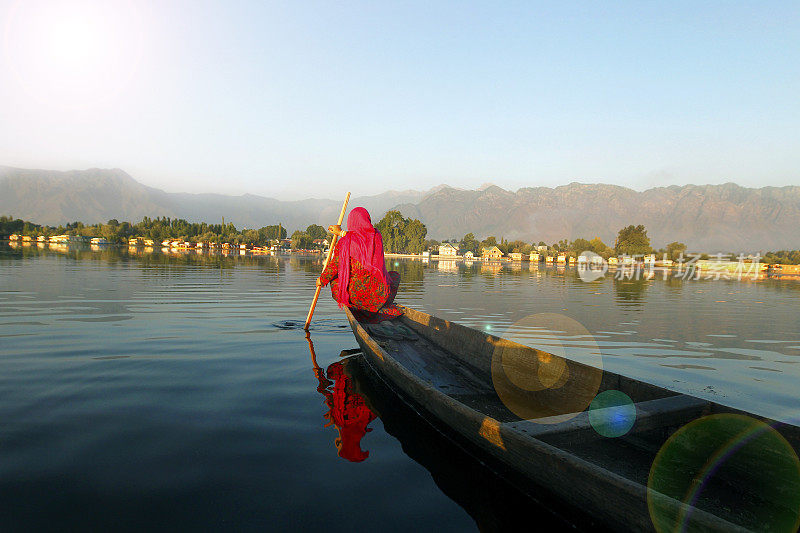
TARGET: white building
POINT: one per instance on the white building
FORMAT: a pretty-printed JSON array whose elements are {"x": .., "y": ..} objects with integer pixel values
[{"x": 447, "y": 250}]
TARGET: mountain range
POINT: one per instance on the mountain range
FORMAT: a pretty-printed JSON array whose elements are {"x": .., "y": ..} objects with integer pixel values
[{"x": 710, "y": 218}]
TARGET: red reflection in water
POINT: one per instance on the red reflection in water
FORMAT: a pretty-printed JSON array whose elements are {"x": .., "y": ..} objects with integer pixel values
[{"x": 346, "y": 410}]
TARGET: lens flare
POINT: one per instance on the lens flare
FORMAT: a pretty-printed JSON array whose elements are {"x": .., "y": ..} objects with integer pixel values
[
  {"x": 554, "y": 381},
  {"x": 612, "y": 413},
  {"x": 736, "y": 462}
]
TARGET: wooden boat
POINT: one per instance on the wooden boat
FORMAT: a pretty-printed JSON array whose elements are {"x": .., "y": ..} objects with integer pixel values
[{"x": 685, "y": 463}]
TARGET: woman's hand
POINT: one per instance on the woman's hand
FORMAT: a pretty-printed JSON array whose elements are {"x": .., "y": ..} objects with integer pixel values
[
  {"x": 319, "y": 282},
  {"x": 336, "y": 229}
]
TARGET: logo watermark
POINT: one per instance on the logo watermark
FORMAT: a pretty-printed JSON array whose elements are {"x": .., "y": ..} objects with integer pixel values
[{"x": 692, "y": 266}]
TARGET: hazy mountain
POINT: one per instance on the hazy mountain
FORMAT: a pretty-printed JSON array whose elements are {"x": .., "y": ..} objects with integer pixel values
[
  {"x": 706, "y": 217},
  {"x": 98, "y": 195}
]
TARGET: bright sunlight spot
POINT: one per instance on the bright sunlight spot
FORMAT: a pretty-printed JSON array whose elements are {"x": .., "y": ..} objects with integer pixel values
[{"x": 73, "y": 54}]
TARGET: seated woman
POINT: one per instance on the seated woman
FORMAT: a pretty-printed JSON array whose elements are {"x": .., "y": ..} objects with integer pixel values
[{"x": 357, "y": 270}]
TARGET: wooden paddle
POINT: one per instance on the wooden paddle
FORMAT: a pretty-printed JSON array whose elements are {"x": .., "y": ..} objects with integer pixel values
[{"x": 330, "y": 253}]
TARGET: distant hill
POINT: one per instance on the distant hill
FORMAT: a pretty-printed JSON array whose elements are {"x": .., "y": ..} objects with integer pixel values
[
  {"x": 706, "y": 217},
  {"x": 98, "y": 195}
]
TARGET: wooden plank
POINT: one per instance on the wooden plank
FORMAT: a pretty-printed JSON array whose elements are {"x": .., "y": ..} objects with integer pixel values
[{"x": 446, "y": 376}]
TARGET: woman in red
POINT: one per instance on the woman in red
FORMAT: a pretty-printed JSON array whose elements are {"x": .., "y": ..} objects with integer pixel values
[{"x": 357, "y": 270}]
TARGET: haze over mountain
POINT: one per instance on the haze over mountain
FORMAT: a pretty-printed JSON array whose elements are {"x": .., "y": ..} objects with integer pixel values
[
  {"x": 98, "y": 195},
  {"x": 706, "y": 217}
]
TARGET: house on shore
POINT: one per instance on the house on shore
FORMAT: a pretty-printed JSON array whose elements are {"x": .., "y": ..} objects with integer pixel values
[
  {"x": 447, "y": 251},
  {"x": 535, "y": 257},
  {"x": 468, "y": 255},
  {"x": 492, "y": 253},
  {"x": 515, "y": 256}
]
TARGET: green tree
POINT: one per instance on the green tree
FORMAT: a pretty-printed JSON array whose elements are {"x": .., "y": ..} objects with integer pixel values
[
  {"x": 580, "y": 245},
  {"x": 633, "y": 240},
  {"x": 488, "y": 242},
  {"x": 301, "y": 240},
  {"x": 392, "y": 227},
  {"x": 470, "y": 244},
  {"x": 600, "y": 248},
  {"x": 519, "y": 246},
  {"x": 415, "y": 232},
  {"x": 402, "y": 235},
  {"x": 431, "y": 244},
  {"x": 675, "y": 250},
  {"x": 317, "y": 232}
]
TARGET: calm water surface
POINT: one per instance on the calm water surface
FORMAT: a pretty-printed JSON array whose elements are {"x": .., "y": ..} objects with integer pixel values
[{"x": 160, "y": 392}]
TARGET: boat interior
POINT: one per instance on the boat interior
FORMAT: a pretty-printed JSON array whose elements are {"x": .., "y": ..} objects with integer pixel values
[{"x": 549, "y": 398}]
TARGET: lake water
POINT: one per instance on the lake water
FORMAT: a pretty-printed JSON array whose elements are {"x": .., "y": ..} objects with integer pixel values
[{"x": 162, "y": 392}]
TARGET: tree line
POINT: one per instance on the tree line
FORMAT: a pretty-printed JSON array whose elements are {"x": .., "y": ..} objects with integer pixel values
[
  {"x": 158, "y": 229},
  {"x": 631, "y": 240},
  {"x": 400, "y": 235}
]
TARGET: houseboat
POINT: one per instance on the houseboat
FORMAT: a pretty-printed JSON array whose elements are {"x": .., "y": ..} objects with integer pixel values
[
  {"x": 783, "y": 270},
  {"x": 492, "y": 253}
]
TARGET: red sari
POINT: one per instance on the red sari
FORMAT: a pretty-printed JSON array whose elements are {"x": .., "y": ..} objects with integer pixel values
[
  {"x": 357, "y": 270},
  {"x": 366, "y": 291}
]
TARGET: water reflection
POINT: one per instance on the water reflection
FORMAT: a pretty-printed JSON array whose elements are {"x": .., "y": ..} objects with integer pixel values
[
  {"x": 410, "y": 271},
  {"x": 347, "y": 410},
  {"x": 494, "y": 501},
  {"x": 649, "y": 329},
  {"x": 630, "y": 290}
]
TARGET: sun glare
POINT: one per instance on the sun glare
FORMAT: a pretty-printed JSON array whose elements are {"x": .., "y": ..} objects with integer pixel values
[
  {"x": 73, "y": 54},
  {"x": 75, "y": 42}
]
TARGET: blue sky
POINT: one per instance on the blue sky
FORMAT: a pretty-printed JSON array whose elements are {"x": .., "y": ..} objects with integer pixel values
[{"x": 302, "y": 99}]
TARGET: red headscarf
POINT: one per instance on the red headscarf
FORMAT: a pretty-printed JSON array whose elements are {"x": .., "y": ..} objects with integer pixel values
[{"x": 363, "y": 243}]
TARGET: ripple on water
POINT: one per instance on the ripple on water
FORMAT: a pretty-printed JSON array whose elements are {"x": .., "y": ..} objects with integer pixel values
[
  {"x": 212, "y": 380},
  {"x": 324, "y": 325}
]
